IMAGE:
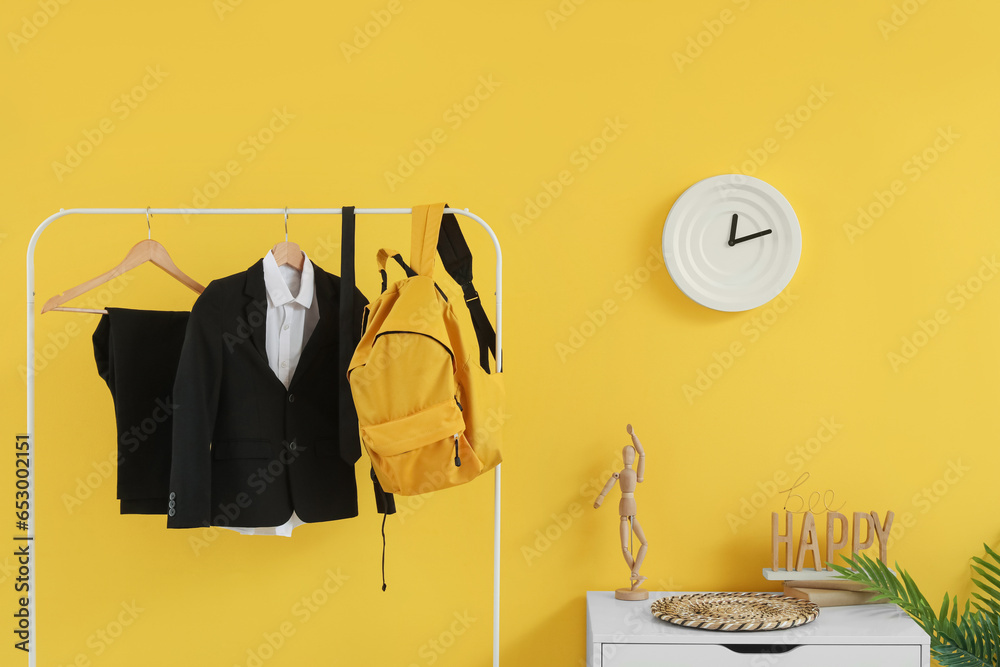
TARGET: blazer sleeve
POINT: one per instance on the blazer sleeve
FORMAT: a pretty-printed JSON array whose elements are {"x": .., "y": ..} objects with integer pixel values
[{"x": 196, "y": 395}]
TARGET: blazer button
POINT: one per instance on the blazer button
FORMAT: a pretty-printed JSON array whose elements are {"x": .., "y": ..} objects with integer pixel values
[
  {"x": 291, "y": 398},
  {"x": 171, "y": 512},
  {"x": 172, "y": 504},
  {"x": 173, "y": 496}
]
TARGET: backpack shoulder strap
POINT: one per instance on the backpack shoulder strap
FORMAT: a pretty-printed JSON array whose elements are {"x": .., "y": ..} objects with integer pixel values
[
  {"x": 434, "y": 231},
  {"x": 457, "y": 260},
  {"x": 426, "y": 223}
]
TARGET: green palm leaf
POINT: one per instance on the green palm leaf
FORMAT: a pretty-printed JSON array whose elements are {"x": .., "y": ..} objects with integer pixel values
[
  {"x": 956, "y": 657},
  {"x": 990, "y": 571},
  {"x": 960, "y": 637}
]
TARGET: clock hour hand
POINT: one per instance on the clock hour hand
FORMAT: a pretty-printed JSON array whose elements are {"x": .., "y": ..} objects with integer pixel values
[
  {"x": 750, "y": 236},
  {"x": 732, "y": 231}
]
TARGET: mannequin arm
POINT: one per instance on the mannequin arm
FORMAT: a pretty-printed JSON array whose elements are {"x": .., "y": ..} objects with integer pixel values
[
  {"x": 606, "y": 490},
  {"x": 641, "y": 466}
]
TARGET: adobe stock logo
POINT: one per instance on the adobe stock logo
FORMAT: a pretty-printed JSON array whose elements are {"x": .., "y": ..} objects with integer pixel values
[
  {"x": 307, "y": 607},
  {"x": 120, "y": 108},
  {"x": 900, "y": 16},
  {"x": 581, "y": 158},
  {"x": 223, "y": 7},
  {"x": 30, "y": 25},
  {"x": 753, "y": 329},
  {"x": 363, "y": 35},
  {"x": 560, "y": 523},
  {"x": 562, "y": 12},
  {"x": 958, "y": 297},
  {"x": 713, "y": 28},
  {"x": 454, "y": 116},
  {"x": 796, "y": 457},
  {"x": 434, "y": 648},
  {"x": 928, "y": 497},
  {"x": 249, "y": 149},
  {"x": 101, "y": 640},
  {"x": 914, "y": 167},
  {"x": 626, "y": 287},
  {"x": 786, "y": 126}
]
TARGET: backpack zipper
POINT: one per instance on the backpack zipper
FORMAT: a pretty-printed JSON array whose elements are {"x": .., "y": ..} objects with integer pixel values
[{"x": 458, "y": 461}]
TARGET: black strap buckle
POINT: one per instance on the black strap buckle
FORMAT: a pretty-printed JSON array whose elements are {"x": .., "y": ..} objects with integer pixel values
[{"x": 470, "y": 292}]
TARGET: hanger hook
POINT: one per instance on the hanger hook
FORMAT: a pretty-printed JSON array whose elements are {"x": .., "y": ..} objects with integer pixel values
[
  {"x": 149, "y": 229},
  {"x": 286, "y": 224}
]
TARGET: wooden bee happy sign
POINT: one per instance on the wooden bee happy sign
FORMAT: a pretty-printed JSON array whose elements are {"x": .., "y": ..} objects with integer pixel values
[{"x": 862, "y": 532}]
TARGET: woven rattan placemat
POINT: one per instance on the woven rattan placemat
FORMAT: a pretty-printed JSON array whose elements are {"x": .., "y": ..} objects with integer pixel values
[{"x": 735, "y": 612}]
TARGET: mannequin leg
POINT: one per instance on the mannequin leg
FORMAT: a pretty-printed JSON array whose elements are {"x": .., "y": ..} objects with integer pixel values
[
  {"x": 641, "y": 554},
  {"x": 624, "y": 539}
]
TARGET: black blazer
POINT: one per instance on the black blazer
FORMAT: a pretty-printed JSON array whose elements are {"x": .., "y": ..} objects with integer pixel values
[{"x": 246, "y": 451}]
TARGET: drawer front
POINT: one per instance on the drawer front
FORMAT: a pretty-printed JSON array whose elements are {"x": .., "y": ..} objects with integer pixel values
[{"x": 717, "y": 655}]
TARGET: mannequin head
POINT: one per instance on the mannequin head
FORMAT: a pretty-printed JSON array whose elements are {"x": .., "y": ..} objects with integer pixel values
[{"x": 628, "y": 455}]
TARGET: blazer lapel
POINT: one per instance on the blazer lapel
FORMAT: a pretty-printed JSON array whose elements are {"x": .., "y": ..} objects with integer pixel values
[
  {"x": 255, "y": 309},
  {"x": 326, "y": 327}
]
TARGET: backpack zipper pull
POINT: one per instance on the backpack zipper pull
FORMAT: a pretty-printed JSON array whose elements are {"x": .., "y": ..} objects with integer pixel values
[
  {"x": 460, "y": 408},
  {"x": 458, "y": 461}
]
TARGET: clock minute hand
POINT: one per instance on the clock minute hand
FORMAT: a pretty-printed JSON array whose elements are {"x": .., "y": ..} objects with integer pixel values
[
  {"x": 732, "y": 231},
  {"x": 752, "y": 236}
]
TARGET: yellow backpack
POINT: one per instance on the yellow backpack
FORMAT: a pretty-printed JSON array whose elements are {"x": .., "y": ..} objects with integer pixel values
[{"x": 430, "y": 414}]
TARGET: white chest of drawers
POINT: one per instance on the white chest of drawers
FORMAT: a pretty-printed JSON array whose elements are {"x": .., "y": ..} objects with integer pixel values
[{"x": 621, "y": 634}]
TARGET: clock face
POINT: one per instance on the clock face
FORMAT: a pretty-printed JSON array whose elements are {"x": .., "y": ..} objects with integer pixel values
[{"x": 731, "y": 242}]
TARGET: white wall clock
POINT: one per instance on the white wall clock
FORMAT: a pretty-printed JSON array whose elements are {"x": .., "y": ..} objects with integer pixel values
[{"x": 731, "y": 242}]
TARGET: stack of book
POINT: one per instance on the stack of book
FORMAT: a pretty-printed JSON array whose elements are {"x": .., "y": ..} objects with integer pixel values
[{"x": 830, "y": 592}]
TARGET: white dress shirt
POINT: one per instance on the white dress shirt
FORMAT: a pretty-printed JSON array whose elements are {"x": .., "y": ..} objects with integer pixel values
[{"x": 292, "y": 314}]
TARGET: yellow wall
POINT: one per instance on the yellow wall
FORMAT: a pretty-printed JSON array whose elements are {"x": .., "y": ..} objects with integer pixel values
[{"x": 894, "y": 77}]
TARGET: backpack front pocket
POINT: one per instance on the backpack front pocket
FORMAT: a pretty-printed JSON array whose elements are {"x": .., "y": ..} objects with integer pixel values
[{"x": 417, "y": 454}]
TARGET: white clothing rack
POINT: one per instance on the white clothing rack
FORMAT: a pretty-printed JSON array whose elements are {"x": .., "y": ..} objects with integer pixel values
[{"x": 33, "y": 591}]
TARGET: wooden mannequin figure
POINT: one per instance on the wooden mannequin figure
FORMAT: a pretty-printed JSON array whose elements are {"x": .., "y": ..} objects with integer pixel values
[{"x": 627, "y": 479}]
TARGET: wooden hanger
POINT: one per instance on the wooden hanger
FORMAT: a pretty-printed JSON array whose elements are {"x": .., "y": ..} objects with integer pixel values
[
  {"x": 144, "y": 251},
  {"x": 288, "y": 252}
]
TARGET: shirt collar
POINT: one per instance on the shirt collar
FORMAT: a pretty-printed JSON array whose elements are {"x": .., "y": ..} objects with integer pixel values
[{"x": 277, "y": 289}]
